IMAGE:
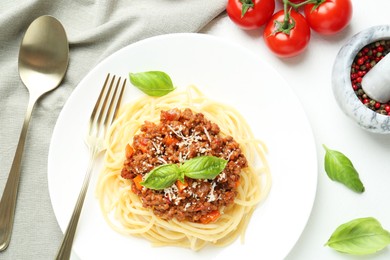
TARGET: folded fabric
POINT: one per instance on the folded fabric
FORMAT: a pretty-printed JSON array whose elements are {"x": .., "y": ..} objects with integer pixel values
[{"x": 95, "y": 29}]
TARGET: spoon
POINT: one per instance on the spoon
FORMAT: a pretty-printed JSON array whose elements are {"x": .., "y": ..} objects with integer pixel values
[{"x": 43, "y": 60}]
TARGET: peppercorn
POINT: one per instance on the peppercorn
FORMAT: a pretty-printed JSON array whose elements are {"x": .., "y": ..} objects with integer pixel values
[{"x": 365, "y": 60}]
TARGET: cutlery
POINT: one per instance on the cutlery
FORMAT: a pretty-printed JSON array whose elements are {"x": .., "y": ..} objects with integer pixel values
[
  {"x": 43, "y": 61},
  {"x": 101, "y": 118}
]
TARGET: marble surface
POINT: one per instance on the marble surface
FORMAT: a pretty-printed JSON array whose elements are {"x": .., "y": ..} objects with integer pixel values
[{"x": 341, "y": 83}]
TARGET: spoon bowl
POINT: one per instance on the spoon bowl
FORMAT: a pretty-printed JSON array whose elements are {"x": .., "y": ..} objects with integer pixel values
[
  {"x": 43, "y": 55},
  {"x": 43, "y": 61}
]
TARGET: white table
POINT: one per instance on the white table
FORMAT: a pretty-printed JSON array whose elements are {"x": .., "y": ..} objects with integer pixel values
[{"x": 309, "y": 75}]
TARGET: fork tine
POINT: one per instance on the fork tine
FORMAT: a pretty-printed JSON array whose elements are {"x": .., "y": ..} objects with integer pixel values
[
  {"x": 99, "y": 100},
  {"x": 114, "y": 104},
  {"x": 96, "y": 112},
  {"x": 107, "y": 105},
  {"x": 103, "y": 113}
]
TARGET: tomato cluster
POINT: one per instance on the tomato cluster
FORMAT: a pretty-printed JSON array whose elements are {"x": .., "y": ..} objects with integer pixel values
[{"x": 287, "y": 32}]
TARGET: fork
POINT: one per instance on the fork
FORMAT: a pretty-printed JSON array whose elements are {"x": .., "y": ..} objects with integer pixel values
[{"x": 101, "y": 118}]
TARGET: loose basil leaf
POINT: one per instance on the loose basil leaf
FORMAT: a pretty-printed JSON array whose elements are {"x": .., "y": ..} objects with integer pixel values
[
  {"x": 361, "y": 236},
  {"x": 152, "y": 83},
  {"x": 203, "y": 167},
  {"x": 161, "y": 177},
  {"x": 339, "y": 168}
]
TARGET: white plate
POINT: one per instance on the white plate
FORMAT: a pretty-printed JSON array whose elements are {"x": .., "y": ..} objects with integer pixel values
[{"x": 229, "y": 74}]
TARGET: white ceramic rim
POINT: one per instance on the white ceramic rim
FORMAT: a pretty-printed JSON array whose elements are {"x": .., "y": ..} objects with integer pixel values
[{"x": 291, "y": 146}]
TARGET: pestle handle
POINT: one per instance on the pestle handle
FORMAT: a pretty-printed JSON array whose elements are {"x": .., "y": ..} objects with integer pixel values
[{"x": 376, "y": 83}]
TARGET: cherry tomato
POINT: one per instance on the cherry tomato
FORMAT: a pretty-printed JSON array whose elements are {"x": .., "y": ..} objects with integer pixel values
[
  {"x": 257, "y": 14},
  {"x": 288, "y": 42},
  {"x": 330, "y": 17}
]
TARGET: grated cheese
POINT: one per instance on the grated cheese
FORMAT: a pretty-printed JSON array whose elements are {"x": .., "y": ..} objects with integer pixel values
[
  {"x": 157, "y": 147},
  {"x": 211, "y": 197},
  {"x": 230, "y": 154},
  {"x": 207, "y": 134},
  {"x": 186, "y": 141},
  {"x": 188, "y": 204},
  {"x": 171, "y": 192},
  {"x": 221, "y": 176},
  {"x": 162, "y": 160}
]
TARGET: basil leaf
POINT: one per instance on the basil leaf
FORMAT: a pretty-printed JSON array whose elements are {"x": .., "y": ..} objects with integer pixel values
[
  {"x": 339, "y": 168},
  {"x": 361, "y": 236},
  {"x": 161, "y": 177},
  {"x": 152, "y": 83},
  {"x": 203, "y": 167}
]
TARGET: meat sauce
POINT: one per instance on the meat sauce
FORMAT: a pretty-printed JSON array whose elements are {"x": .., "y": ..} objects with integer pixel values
[{"x": 180, "y": 136}]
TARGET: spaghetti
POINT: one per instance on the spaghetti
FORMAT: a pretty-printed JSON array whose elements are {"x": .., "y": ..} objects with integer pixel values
[{"x": 122, "y": 207}]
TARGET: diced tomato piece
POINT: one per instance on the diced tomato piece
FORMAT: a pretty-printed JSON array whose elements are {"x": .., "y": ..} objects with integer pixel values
[
  {"x": 144, "y": 141},
  {"x": 137, "y": 181},
  {"x": 169, "y": 140},
  {"x": 170, "y": 115},
  {"x": 210, "y": 217},
  {"x": 143, "y": 144},
  {"x": 129, "y": 151},
  {"x": 148, "y": 126},
  {"x": 181, "y": 185}
]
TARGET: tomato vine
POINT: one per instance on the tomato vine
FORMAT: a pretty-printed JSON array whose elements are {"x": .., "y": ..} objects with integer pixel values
[{"x": 322, "y": 16}]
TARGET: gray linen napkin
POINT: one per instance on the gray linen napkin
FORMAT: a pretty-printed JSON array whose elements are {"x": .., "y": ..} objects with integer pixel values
[{"x": 95, "y": 29}]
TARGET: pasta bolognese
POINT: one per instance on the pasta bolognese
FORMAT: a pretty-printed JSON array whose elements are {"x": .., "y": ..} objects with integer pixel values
[{"x": 188, "y": 211}]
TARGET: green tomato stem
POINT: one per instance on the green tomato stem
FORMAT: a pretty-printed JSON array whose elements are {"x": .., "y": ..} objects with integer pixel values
[
  {"x": 296, "y": 6},
  {"x": 246, "y": 4},
  {"x": 286, "y": 25},
  {"x": 286, "y": 20}
]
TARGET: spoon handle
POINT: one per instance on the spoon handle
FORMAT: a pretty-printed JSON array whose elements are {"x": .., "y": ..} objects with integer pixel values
[{"x": 8, "y": 199}]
